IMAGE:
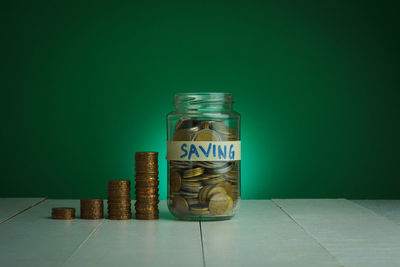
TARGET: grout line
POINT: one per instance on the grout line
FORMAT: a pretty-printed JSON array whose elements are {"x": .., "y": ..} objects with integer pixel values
[
  {"x": 84, "y": 242},
  {"x": 316, "y": 240},
  {"x": 202, "y": 245},
  {"x": 22, "y": 211}
]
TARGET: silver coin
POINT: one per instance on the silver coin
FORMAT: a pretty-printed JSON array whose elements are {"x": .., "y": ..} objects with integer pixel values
[
  {"x": 188, "y": 194},
  {"x": 182, "y": 164},
  {"x": 187, "y": 123},
  {"x": 192, "y": 201},
  {"x": 211, "y": 164},
  {"x": 192, "y": 189},
  {"x": 223, "y": 169}
]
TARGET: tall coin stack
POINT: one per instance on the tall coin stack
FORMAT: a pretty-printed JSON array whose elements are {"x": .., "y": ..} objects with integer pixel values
[
  {"x": 146, "y": 188},
  {"x": 119, "y": 200}
]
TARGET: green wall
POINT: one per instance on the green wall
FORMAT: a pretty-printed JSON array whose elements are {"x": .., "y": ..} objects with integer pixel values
[{"x": 85, "y": 84}]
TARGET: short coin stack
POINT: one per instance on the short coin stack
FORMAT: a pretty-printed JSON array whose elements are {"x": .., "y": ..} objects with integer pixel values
[
  {"x": 119, "y": 200},
  {"x": 63, "y": 213},
  {"x": 146, "y": 167},
  {"x": 92, "y": 209}
]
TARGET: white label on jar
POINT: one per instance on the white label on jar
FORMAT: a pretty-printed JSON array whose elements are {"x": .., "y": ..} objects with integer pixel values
[{"x": 203, "y": 151}]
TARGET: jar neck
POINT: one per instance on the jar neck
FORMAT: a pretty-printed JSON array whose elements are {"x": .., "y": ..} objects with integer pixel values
[{"x": 203, "y": 101}]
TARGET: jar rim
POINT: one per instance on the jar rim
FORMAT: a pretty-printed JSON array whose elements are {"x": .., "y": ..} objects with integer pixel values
[
  {"x": 204, "y": 93},
  {"x": 218, "y": 98}
]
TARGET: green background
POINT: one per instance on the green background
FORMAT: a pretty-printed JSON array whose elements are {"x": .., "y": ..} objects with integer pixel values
[{"x": 85, "y": 84}]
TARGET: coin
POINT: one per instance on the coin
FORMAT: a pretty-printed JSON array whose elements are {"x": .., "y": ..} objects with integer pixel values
[
  {"x": 188, "y": 124},
  {"x": 222, "y": 128},
  {"x": 198, "y": 209},
  {"x": 214, "y": 180},
  {"x": 194, "y": 189},
  {"x": 222, "y": 169},
  {"x": 120, "y": 217},
  {"x": 192, "y": 201},
  {"x": 196, "y": 179},
  {"x": 215, "y": 190},
  {"x": 181, "y": 164},
  {"x": 204, "y": 193},
  {"x": 118, "y": 183},
  {"x": 220, "y": 204},
  {"x": 146, "y": 155},
  {"x": 206, "y": 135},
  {"x": 146, "y": 190},
  {"x": 180, "y": 205},
  {"x": 227, "y": 186},
  {"x": 190, "y": 183},
  {"x": 145, "y": 177},
  {"x": 193, "y": 172},
  {"x": 188, "y": 194},
  {"x": 146, "y": 217},
  {"x": 182, "y": 135},
  {"x": 175, "y": 181}
]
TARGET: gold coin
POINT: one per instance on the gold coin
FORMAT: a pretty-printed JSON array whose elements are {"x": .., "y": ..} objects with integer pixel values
[
  {"x": 146, "y": 190},
  {"x": 210, "y": 176},
  {"x": 120, "y": 217},
  {"x": 199, "y": 210},
  {"x": 180, "y": 205},
  {"x": 215, "y": 190},
  {"x": 193, "y": 172},
  {"x": 196, "y": 179},
  {"x": 147, "y": 183},
  {"x": 146, "y": 156},
  {"x": 227, "y": 186},
  {"x": 207, "y": 135},
  {"x": 146, "y": 177},
  {"x": 119, "y": 183},
  {"x": 203, "y": 194},
  {"x": 175, "y": 180},
  {"x": 144, "y": 217},
  {"x": 185, "y": 183},
  {"x": 230, "y": 176},
  {"x": 182, "y": 135},
  {"x": 220, "y": 204},
  {"x": 222, "y": 128}
]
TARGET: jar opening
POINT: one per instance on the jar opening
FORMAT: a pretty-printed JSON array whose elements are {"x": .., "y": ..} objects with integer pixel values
[{"x": 203, "y": 100}]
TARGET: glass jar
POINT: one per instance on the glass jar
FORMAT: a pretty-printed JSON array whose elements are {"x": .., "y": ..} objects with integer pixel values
[{"x": 203, "y": 153}]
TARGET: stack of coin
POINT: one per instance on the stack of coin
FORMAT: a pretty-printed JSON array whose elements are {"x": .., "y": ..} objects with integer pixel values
[
  {"x": 92, "y": 209},
  {"x": 119, "y": 200},
  {"x": 203, "y": 188},
  {"x": 63, "y": 213},
  {"x": 146, "y": 188}
]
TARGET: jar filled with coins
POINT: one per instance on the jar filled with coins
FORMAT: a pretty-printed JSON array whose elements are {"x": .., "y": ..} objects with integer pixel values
[{"x": 203, "y": 153}]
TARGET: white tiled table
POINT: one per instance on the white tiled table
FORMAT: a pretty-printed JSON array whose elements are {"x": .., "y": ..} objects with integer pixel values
[{"x": 279, "y": 232}]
